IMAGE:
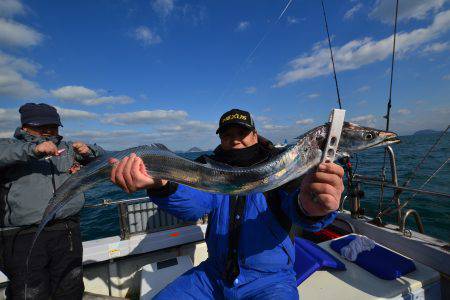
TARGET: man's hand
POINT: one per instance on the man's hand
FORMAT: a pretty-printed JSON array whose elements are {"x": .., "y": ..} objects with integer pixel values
[
  {"x": 327, "y": 185},
  {"x": 46, "y": 148},
  {"x": 130, "y": 174},
  {"x": 81, "y": 148}
]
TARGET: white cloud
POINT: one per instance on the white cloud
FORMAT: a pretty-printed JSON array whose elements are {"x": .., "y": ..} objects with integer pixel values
[
  {"x": 364, "y": 88},
  {"x": 304, "y": 121},
  {"x": 404, "y": 111},
  {"x": 120, "y": 99},
  {"x": 14, "y": 34},
  {"x": 13, "y": 83},
  {"x": 73, "y": 92},
  {"x": 243, "y": 25},
  {"x": 87, "y": 96},
  {"x": 368, "y": 120},
  {"x": 74, "y": 113},
  {"x": 163, "y": 7},
  {"x": 436, "y": 47},
  {"x": 262, "y": 119},
  {"x": 6, "y": 134},
  {"x": 273, "y": 127},
  {"x": 9, "y": 118},
  {"x": 362, "y": 102},
  {"x": 144, "y": 117},
  {"x": 352, "y": 11},
  {"x": 190, "y": 126},
  {"x": 293, "y": 20},
  {"x": 312, "y": 96},
  {"x": 384, "y": 10},
  {"x": 358, "y": 53},
  {"x": 102, "y": 135},
  {"x": 446, "y": 77},
  {"x": 9, "y": 8},
  {"x": 146, "y": 36},
  {"x": 250, "y": 90}
]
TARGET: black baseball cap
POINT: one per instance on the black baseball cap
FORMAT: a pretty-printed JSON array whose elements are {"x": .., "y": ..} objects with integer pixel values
[
  {"x": 236, "y": 117},
  {"x": 39, "y": 114}
]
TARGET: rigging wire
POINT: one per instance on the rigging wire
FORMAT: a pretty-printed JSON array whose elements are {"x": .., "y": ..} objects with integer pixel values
[
  {"x": 425, "y": 157},
  {"x": 397, "y": 192},
  {"x": 250, "y": 55},
  {"x": 390, "y": 210},
  {"x": 331, "y": 55},
  {"x": 389, "y": 105}
]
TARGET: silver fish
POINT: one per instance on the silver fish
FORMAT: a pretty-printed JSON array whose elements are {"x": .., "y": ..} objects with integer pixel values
[{"x": 214, "y": 177}]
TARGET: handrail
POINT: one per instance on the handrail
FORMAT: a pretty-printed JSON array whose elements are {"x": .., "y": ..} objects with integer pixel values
[
  {"x": 396, "y": 196},
  {"x": 378, "y": 182},
  {"x": 416, "y": 217}
]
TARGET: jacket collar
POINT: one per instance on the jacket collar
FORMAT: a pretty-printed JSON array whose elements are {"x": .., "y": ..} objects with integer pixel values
[{"x": 22, "y": 135}]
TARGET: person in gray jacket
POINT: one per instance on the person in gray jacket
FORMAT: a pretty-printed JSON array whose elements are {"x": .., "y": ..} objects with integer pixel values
[{"x": 32, "y": 167}]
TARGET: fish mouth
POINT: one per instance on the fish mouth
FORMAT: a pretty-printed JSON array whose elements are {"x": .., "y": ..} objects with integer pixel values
[{"x": 389, "y": 138}]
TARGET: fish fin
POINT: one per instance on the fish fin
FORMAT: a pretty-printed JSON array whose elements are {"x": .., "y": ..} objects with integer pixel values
[{"x": 216, "y": 164}]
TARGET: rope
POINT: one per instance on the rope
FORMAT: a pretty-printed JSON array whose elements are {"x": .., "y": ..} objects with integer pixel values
[
  {"x": 388, "y": 114},
  {"x": 247, "y": 60},
  {"x": 331, "y": 54},
  {"x": 389, "y": 105}
]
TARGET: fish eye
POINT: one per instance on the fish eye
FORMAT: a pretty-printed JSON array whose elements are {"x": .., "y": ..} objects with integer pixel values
[{"x": 368, "y": 136}]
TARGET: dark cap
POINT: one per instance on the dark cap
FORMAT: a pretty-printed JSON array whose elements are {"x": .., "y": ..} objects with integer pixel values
[
  {"x": 236, "y": 117},
  {"x": 39, "y": 114}
]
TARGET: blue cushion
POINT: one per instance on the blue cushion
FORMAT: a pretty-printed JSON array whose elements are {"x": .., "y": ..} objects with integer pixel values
[
  {"x": 309, "y": 258},
  {"x": 379, "y": 261}
]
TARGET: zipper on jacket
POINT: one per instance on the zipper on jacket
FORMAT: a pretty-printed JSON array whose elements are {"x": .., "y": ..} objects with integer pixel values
[
  {"x": 69, "y": 235},
  {"x": 52, "y": 169}
]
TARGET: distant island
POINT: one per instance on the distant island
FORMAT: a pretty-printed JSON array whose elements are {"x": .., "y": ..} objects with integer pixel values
[
  {"x": 194, "y": 149},
  {"x": 426, "y": 131}
]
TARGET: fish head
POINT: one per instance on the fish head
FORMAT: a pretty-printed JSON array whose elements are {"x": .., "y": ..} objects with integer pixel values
[{"x": 358, "y": 138}]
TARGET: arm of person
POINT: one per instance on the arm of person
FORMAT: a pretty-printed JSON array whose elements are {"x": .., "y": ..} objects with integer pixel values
[
  {"x": 12, "y": 151},
  {"x": 299, "y": 205},
  {"x": 85, "y": 153},
  {"x": 181, "y": 201}
]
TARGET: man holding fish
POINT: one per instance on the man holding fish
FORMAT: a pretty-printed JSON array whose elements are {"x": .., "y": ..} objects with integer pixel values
[
  {"x": 32, "y": 167},
  {"x": 251, "y": 253}
]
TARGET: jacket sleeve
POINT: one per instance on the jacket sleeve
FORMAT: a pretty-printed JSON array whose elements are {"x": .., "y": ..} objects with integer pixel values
[
  {"x": 182, "y": 201},
  {"x": 95, "y": 152},
  {"x": 12, "y": 152},
  {"x": 291, "y": 208}
]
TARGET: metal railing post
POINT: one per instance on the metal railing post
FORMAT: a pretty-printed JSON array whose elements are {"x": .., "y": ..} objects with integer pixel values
[
  {"x": 394, "y": 179},
  {"x": 416, "y": 217}
]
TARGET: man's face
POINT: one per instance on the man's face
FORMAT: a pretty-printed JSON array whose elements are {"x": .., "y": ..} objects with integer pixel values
[
  {"x": 237, "y": 137},
  {"x": 44, "y": 130}
]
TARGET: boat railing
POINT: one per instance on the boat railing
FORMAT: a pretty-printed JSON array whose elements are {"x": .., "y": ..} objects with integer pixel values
[
  {"x": 139, "y": 215},
  {"x": 417, "y": 219},
  {"x": 356, "y": 193}
]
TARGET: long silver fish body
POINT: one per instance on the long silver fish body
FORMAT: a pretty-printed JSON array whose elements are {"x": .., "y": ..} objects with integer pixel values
[{"x": 212, "y": 177}]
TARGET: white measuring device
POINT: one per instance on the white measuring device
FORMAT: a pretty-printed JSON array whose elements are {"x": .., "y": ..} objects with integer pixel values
[{"x": 337, "y": 117}]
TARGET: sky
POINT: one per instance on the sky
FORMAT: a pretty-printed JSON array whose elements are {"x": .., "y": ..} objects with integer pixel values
[{"x": 127, "y": 73}]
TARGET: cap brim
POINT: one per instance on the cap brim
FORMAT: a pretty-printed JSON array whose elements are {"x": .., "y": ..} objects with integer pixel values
[{"x": 241, "y": 124}]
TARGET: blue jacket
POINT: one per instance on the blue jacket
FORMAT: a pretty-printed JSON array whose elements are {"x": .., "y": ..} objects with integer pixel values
[{"x": 264, "y": 246}]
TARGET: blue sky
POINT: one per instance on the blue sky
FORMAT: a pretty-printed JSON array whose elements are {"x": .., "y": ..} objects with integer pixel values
[{"x": 124, "y": 73}]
